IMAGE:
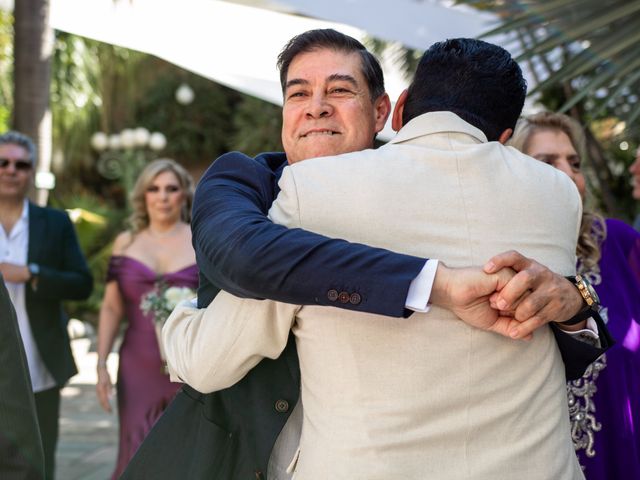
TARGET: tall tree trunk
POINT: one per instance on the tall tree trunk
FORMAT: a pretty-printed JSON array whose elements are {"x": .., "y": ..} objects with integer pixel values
[{"x": 33, "y": 48}]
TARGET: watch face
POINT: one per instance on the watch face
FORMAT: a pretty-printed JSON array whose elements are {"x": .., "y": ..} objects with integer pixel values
[{"x": 592, "y": 292}]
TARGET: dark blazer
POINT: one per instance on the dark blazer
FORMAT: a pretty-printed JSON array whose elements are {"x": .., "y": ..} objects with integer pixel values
[
  {"x": 64, "y": 275},
  {"x": 240, "y": 250},
  {"x": 21, "y": 456}
]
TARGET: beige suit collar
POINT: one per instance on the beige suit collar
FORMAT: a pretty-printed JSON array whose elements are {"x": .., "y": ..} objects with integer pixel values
[{"x": 437, "y": 122}]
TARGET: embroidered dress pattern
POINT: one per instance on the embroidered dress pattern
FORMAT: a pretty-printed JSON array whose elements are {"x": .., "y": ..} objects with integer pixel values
[{"x": 582, "y": 409}]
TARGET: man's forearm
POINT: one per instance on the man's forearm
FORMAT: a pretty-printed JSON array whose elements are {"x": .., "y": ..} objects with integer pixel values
[{"x": 213, "y": 348}]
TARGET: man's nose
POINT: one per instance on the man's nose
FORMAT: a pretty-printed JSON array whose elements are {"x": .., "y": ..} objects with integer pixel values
[
  {"x": 319, "y": 107},
  {"x": 11, "y": 168}
]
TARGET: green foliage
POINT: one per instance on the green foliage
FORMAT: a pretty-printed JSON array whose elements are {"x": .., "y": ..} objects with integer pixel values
[
  {"x": 196, "y": 133},
  {"x": 5, "y": 118},
  {"x": 406, "y": 59},
  {"x": 96, "y": 223},
  {"x": 258, "y": 125},
  {"x": 75, "y": 98},
  {"x": 6, "y": 69},
  {"x": 592, "y": 46},
  {"x": 92, "y": 88},
  {"x": 95, "y": 218}
]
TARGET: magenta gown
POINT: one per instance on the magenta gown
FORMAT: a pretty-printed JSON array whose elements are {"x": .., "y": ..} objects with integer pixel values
[{"x": 144, "y": 390}]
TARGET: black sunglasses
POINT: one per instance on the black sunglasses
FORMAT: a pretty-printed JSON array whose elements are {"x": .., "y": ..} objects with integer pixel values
[{"x": 23, "y": 165}]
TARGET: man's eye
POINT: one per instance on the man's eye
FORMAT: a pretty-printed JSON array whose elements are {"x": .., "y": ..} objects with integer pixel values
[
  {"x": 296, "y": 94},
  {"x": 544, "y": 158},
  {"x": 340, "y": 90}
]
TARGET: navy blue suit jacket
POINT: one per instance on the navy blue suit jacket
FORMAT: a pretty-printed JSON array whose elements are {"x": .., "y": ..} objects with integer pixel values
[
  {"x": 64, "y": 275},
  {"x": 230, "y": 433}
]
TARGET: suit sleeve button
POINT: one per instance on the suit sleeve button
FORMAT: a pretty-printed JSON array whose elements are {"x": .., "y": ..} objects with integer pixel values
[
  {"x": 355, "y": 299},
  {"x": 344, "y": 297},
  {"x": 282, "y": 406},
  {"x": 332, "y": 295}
]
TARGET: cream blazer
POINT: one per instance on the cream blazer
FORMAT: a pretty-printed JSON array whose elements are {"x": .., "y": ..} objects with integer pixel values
[{"x": 426, "y": 397}]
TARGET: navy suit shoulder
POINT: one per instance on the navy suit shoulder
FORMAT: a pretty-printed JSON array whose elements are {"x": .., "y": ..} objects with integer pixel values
[{"x": 241, "y": 251}]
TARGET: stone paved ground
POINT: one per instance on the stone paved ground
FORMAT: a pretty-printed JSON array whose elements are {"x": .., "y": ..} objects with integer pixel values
[{"x": 88, "y": 441}]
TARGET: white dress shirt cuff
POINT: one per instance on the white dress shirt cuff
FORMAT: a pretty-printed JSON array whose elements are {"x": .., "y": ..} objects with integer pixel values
[
  {"x": 420, "y": 288},
  {"x": 590, "y": 334}
]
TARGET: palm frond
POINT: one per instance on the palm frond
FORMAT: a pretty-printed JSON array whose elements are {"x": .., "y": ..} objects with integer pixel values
[{"x": 593, "y": 44}]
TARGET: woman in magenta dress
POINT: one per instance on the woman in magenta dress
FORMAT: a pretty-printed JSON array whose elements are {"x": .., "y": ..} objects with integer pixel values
[
  {"x": 155, "y": 252},
  {"x": 604, "y": 405}
]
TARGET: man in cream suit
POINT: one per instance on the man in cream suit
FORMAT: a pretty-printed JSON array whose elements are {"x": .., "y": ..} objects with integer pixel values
[{"x": 429, "y": 396}]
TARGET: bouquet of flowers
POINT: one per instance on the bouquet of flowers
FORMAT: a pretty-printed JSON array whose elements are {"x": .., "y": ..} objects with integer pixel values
[{"x": 160, "y": 302}]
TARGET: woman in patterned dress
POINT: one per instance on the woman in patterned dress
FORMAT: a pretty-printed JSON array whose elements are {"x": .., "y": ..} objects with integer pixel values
[
  {"x": 604, "y": 404},
  {"x": 155, "y": 253}
]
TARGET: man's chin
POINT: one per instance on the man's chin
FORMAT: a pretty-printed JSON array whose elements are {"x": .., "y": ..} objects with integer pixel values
[{"x": 321, "y": 145}]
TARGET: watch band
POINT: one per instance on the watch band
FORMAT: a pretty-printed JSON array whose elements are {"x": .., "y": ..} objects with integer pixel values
[{"x": 579, "y": 317}]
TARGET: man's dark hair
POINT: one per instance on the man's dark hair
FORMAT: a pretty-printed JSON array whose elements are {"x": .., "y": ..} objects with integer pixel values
[
  {"x": 476, "y": 80},
  {"x": 328, "y": 38}
]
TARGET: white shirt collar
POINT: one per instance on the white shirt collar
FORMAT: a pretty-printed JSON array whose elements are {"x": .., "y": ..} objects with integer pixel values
[{"x": 437, "y": 122}]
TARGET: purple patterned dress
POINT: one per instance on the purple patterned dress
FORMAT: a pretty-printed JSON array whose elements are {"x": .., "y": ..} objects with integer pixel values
[
  {"x": 144, "y": 390},
  {"x": 606, "y": 419}
]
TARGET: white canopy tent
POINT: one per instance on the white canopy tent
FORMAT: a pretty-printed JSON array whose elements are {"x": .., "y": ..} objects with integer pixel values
[{"x": 414, "y": 23}]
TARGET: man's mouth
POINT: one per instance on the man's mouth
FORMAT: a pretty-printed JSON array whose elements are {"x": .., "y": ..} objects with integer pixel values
[{"x": 316, "y": 133}]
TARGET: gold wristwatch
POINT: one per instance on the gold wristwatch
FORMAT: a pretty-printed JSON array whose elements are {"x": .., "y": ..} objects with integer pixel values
[{"x": 590, "y": 298}]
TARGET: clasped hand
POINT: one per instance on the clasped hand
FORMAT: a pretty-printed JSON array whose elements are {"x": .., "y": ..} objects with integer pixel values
[{"x": 512, "y": 295}]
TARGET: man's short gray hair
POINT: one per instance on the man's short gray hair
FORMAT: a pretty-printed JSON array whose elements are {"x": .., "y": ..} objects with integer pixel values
[{"x": 16, "y": 138}]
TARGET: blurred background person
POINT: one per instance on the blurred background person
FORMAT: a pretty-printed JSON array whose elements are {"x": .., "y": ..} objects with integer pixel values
[
  {"x": 605, "y": 403},
  {"x": 634, "y": 169},
  {"x": 42, "y": 264},
  {"x": 21, "y": 456},
  {"x": 155, "y": 254}
]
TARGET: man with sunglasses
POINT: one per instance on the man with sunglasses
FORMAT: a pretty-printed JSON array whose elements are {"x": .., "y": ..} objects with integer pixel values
[{"x": 42, "y": 264}]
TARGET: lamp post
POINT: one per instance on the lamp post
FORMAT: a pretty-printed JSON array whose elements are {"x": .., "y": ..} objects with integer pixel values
[{"x": 123, "y": 155}]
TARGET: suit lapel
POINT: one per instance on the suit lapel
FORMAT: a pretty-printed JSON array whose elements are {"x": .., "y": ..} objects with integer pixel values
[{"x": 37, "y": 230}]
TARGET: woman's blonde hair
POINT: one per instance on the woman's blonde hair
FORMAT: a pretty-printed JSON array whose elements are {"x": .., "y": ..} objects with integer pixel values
[
  {"x": 139, "y": 219},
  {"x": 592, "y": 227}
]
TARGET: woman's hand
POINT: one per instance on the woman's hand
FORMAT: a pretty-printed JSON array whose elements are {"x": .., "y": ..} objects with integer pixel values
[{"x": 104, "y": 388}]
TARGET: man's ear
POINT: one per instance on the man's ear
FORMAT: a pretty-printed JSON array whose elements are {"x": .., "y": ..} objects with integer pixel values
[
  {"x": 382, "y": 109},
  {"x": 396, "y": 120},
  {"x": 505, "y": 136}
]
